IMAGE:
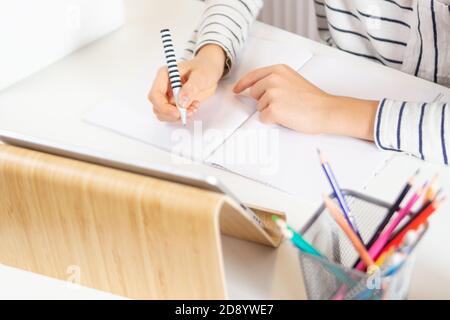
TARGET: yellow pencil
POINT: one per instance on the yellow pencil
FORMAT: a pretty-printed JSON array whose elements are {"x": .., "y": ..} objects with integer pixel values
[
  {"x": 384, "y": 256},
  {"x": 336, "y": 213}
]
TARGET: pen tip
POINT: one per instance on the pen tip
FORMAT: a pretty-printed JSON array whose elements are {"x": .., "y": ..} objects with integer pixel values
[
  {"x": 434, "y": 178},
  {"x": 438, "y": 202},
  {"x": 423, "y": 188},
  {"x": 321, "y": 157},
  {"x": 414, "y": 175},
  {"x": 183, "y": 116},
  {"x": 326, "y": 198}
]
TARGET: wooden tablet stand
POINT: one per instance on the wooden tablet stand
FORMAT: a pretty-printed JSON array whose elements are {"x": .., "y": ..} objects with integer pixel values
[{"x": 124, "y": 233}]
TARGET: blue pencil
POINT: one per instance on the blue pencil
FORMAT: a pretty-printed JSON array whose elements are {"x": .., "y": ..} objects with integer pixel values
[{"x": 339, "y": 196}]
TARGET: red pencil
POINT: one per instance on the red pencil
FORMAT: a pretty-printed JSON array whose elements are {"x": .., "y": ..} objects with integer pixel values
[{"x": 414, "y": 224}]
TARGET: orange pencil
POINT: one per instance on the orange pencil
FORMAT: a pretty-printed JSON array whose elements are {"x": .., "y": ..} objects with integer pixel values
[
  {"x": 430, "y": 193},
  {"x": 338, "y": 216}
]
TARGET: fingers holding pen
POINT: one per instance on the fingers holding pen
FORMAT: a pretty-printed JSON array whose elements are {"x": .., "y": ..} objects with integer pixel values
[{"x": 160, "y": 97}]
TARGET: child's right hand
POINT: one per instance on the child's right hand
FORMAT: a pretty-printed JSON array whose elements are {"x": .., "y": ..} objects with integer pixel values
[{"x": 200, "y": 77}]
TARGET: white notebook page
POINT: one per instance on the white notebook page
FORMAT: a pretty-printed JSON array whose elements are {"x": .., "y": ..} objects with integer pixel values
[
  {"x": 289, "y": 160},
  {"x": 130, "y": 114}
]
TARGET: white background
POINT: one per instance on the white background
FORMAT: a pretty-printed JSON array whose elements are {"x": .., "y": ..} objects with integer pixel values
[{"x": 35, "y": 34}]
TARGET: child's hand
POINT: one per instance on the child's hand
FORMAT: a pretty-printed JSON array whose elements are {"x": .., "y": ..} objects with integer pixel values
[
  {"x": 199, "y": 76},
  {"x": 286, "y": 98}
]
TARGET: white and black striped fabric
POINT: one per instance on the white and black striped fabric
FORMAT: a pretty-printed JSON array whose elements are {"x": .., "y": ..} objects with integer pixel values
[{"x": 409, "y": 35}]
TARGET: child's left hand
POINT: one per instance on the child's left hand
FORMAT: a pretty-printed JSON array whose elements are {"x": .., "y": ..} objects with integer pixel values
[{"x": 287, "y": 99}]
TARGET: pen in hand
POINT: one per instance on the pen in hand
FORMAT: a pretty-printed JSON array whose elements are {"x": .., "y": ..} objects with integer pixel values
[{"x": 172, "y": 68}]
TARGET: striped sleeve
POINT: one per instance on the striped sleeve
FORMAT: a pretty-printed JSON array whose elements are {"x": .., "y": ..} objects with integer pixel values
[
  {"x": 188, "y": 51},
  {"x": 322, "y": 22},
  {"x": 428, "y": 52},
  {"x": 226, "y": 23},
  {"x": 419, "y": 129}
]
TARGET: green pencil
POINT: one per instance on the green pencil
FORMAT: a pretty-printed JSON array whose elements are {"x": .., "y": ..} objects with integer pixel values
[
  {"x": 296, "y": 238},
  {"x": 306, "y": 247}
]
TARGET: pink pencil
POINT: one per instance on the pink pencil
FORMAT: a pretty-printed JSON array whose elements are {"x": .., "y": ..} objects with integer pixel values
[{"x": 379, "y": 244}]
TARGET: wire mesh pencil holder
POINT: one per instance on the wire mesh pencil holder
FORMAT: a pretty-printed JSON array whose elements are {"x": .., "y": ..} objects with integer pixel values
[{"x": 332, "y": 276}]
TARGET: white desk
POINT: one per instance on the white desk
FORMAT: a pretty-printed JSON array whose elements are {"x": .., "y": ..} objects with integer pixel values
[{"x": 50, "y": 104}]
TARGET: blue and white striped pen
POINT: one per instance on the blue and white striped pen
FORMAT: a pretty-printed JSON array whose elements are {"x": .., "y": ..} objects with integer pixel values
[
  {"x": 339, "y": 196},
  {"x": 172, "y": 67}
]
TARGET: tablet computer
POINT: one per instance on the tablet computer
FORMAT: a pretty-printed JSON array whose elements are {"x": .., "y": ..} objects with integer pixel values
[{"x": 205, "y": 182}]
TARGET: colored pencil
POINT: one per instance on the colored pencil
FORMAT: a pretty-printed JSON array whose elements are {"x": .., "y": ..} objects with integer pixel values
[
  {"x": 430, "y": 193},
  {"x": 339, "y": 196},
  {"x": 414, "y": 224},
  {"x": 337, "y": 215},
  {"x": 382, "y": 258},
  {"x": 395, "y": 207},
  {"x": 379, "y": 244},
  {"x": 306, "y": 247},
  {"x": 295, "y": 237}
]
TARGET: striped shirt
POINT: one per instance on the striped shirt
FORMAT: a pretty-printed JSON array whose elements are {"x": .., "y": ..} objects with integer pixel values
[{"x": 410, "y": 35}]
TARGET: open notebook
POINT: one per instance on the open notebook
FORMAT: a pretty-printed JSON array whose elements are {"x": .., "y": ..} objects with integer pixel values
[
  {"x": 220, "y": 116},
  {"x": 227, "y": 133}
]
